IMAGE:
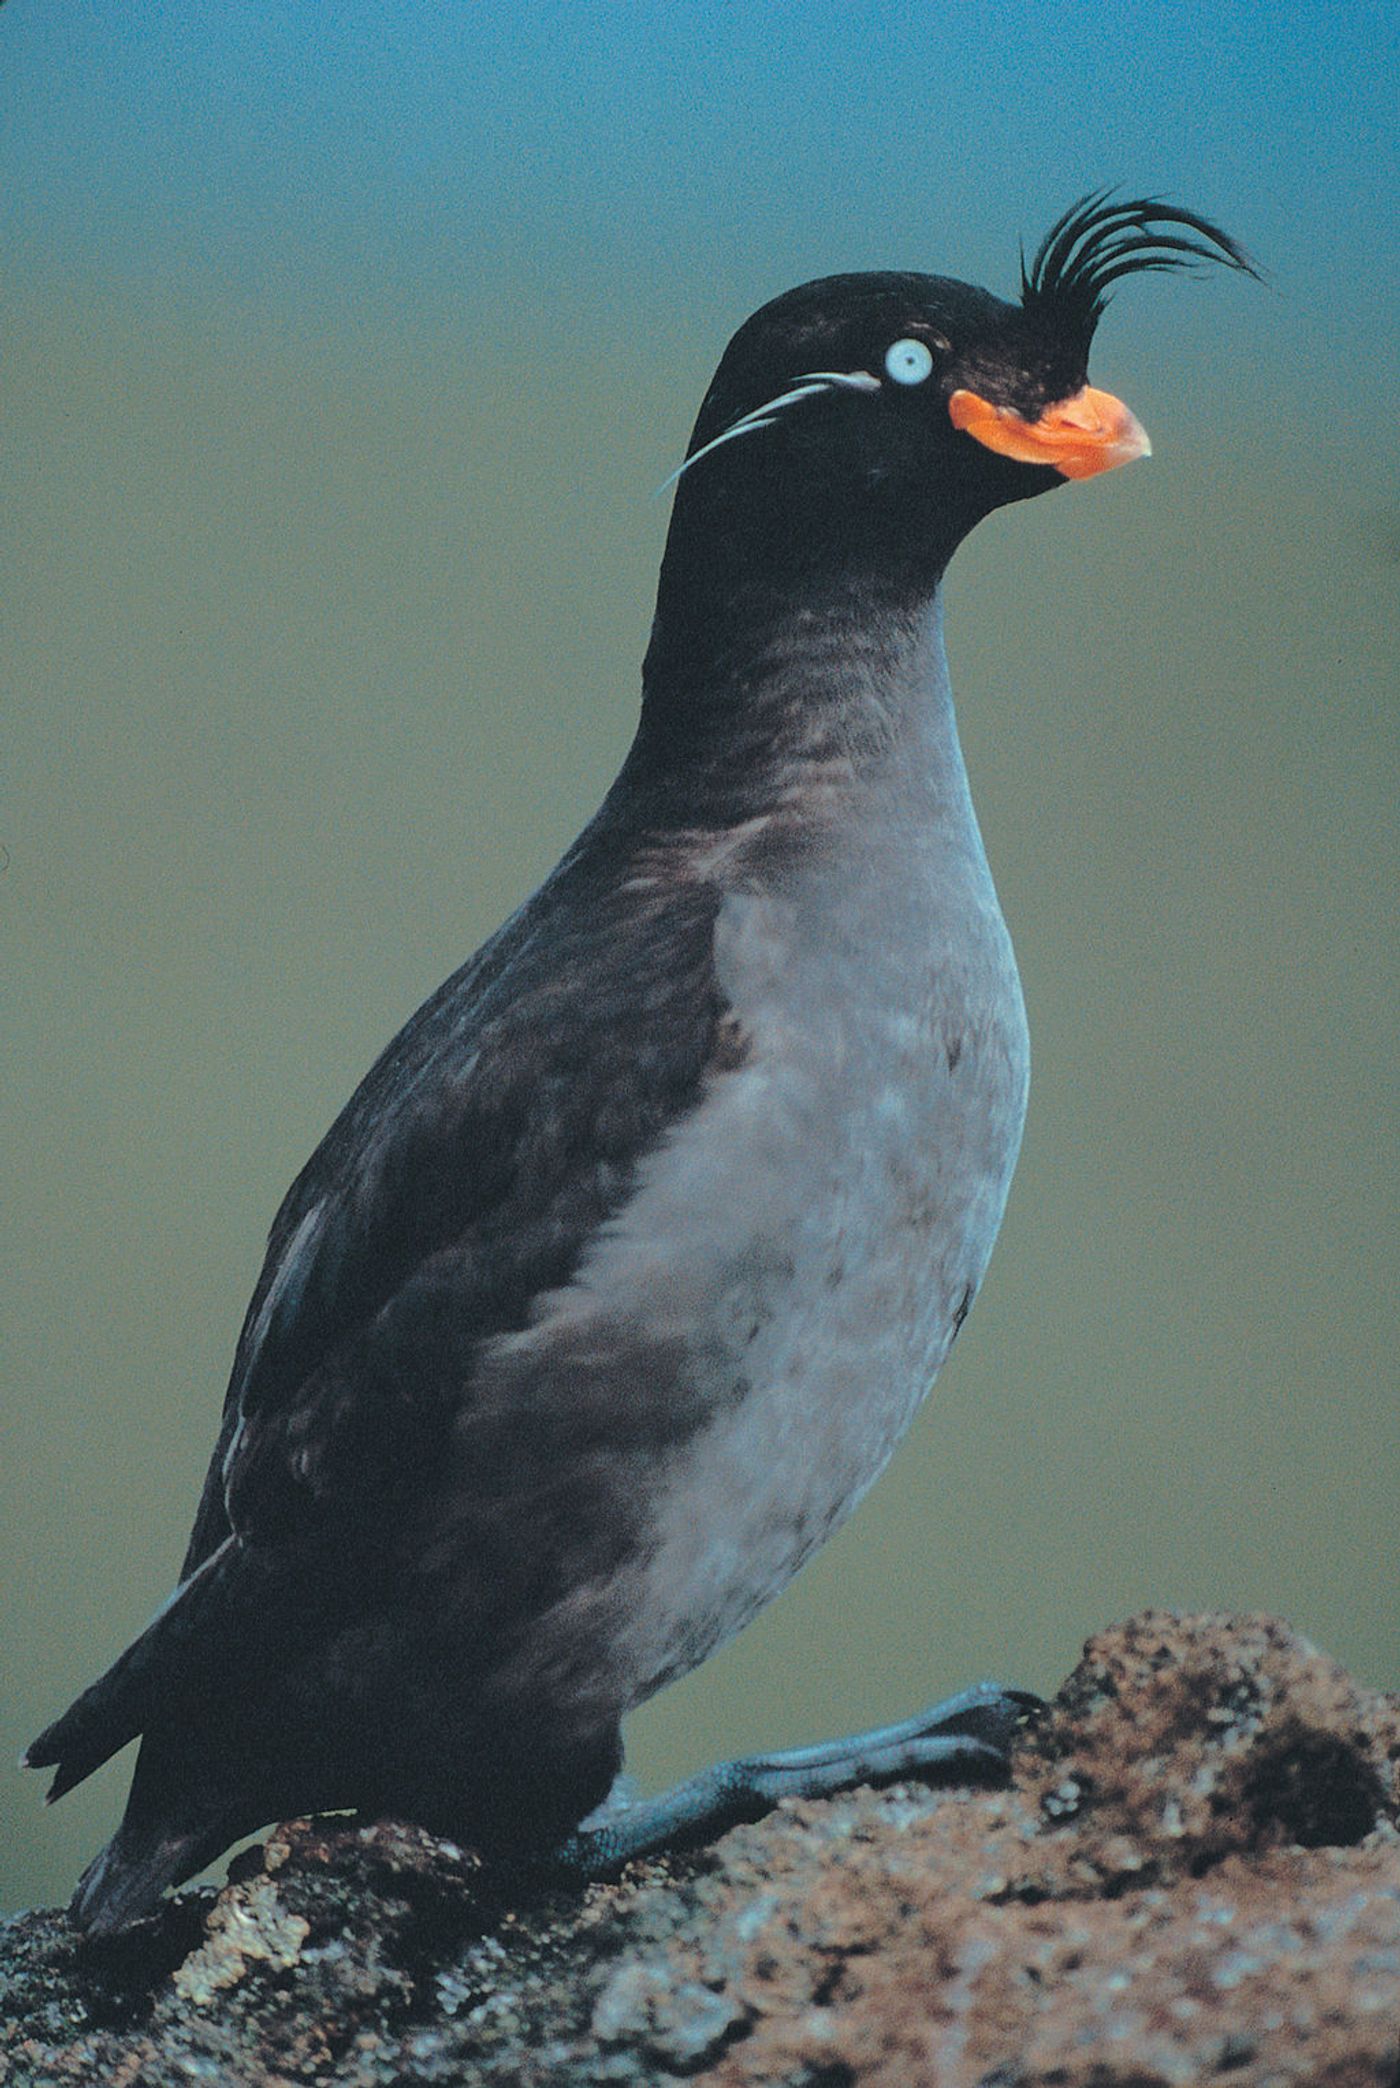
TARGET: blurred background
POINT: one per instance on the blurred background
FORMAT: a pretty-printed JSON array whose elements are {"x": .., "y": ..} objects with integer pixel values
[{"x": 341, "y": 350}]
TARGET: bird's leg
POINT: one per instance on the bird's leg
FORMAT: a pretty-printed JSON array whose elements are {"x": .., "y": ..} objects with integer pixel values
[{"x": 966, "y": 1739}]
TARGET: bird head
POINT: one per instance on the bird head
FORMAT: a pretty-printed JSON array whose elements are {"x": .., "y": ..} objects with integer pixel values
[{"x": 865, "y": 423}]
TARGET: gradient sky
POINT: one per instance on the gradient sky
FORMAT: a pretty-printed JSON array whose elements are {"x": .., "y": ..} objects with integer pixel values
[
  {"x": 341, "y": 347},
  {"x": 300, "y": 150}
]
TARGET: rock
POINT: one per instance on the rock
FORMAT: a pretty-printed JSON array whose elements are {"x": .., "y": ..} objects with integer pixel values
[{"x": 1194, "y": 1876}]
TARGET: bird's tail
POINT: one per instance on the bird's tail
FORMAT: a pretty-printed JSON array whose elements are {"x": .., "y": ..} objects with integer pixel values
[
  {"x": 183, "y": 1684},
  {"x": 167, "y": 1661},
  {"x": 145, "y": 1855}
]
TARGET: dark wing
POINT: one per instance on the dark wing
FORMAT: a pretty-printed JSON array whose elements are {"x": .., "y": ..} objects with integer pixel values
[
  {"x": 466, "y": 1175},
  {"x": 501, "y": 1127}
]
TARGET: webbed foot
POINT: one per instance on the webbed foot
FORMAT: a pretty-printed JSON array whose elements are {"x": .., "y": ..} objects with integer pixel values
[{"x": 967, "y": 1739}]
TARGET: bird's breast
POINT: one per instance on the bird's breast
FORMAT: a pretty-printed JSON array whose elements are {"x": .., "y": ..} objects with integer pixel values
[
  {"x": 856, "y": 1168},
  {"x": 763, "y": 1318}
]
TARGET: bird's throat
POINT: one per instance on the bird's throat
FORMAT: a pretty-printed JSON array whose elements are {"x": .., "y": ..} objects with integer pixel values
[{"x": 767, "y": 689}]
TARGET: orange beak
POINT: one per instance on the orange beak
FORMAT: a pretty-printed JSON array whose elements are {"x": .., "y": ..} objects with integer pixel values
[{"x": 1080, "y": 437}]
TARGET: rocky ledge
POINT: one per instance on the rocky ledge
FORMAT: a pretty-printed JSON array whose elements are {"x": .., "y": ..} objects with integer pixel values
[{"x": 1194, "y": 1876}]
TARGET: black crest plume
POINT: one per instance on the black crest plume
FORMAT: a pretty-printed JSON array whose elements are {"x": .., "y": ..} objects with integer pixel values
[{"x": 1098, "y": 240}]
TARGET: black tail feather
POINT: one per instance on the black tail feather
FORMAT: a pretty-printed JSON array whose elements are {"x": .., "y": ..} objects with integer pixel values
[
  {"x": 175, "y": 1647},
  {"x": 126, "y": 1880}
]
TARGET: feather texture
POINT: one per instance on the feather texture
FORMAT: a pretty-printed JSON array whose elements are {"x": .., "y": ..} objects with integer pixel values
[{"x": 1099, "y": 240}]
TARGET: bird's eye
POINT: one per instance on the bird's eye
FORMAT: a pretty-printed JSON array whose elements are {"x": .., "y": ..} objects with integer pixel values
[{"x": 909, "y": 362}]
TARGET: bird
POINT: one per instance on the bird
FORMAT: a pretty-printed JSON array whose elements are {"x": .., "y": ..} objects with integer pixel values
[{"x": 615, "y": 1284}]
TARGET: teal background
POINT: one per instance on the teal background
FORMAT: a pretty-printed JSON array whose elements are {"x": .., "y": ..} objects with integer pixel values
[{"x": 340, "y": 351}]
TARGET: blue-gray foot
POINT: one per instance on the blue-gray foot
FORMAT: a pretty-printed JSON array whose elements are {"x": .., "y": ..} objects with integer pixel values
[{"x": 967, "y": 1739}]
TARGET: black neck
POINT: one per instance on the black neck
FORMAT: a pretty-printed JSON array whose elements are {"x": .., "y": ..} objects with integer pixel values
[{"x": 742, "y": 698}]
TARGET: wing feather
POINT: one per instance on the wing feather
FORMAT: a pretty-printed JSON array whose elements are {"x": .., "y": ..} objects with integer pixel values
[{"x": 464, "y": 1178}]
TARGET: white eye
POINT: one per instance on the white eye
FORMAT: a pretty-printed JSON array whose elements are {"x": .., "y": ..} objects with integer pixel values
[{"x": 909, "y": 362}]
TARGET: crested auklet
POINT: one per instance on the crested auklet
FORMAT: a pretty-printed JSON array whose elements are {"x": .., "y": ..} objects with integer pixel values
[{"x": 618, "y": 1279}]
